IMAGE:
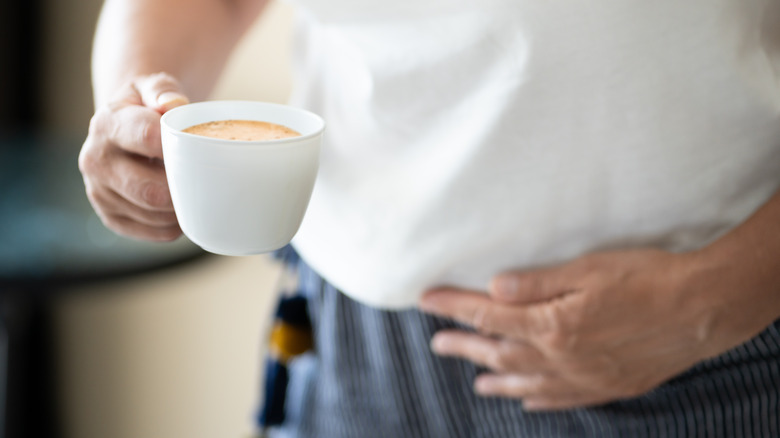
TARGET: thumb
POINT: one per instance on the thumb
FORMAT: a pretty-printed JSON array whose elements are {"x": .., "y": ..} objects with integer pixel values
[
  {"x": 527, "y": 287},
  {"x": 160, "y": 92}
]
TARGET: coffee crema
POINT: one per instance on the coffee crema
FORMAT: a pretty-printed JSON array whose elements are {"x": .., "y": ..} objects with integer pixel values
[{"x": 246, "y": 130}]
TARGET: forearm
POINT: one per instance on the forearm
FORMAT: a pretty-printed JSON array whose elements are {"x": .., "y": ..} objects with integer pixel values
[
  {"x": 740, "y": 272},
  {"x": 189, "y": 39}
]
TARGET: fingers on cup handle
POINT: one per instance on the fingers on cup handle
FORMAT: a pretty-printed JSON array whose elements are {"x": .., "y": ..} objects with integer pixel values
[
  {"x": 122, "y": 154},
  {"x": 132, "y": 121},
  {"x": 160, "y": 92},
  {"x": 132, "y": 128},
  {"x": 141, "y": 183}
]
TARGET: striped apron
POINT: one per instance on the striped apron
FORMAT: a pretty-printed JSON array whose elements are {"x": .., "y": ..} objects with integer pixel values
[{"x": 372, "y": 374}]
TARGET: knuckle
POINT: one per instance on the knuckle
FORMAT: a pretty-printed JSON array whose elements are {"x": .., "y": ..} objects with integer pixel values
[
  {"x": 95, "y": 148},
  {"x": 90, "y": 160},
  {"x": 162, "y": 76},
  {"x": 561, "y": 338},
  {"x": 555, "y": 318},
  {"x": 588, "y": 264},
  {"x": 98, "y": 121},
  {"x": 149, "y": 133},
  {"x": 86, "y": 161},
  {"x": 595, "y": 278},
  {"x": 480, "y": 320},
  {"x": 495, "y": 360},
  {"x": 500, "y": 358},
  {"x": 126, "y": 93},
  {"x": 163, "y": 81},
  {"x": 154, "y": 195}
]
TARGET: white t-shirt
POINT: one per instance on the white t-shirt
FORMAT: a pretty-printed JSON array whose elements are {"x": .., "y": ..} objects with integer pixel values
[{"x": 469, "y": 137}]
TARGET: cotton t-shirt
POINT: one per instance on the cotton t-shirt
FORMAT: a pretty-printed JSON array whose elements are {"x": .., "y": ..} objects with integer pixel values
[{"x": 466, "y": 138}]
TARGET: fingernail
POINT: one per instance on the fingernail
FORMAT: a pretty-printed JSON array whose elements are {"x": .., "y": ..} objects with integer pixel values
[
  {"x": 438, "y": 344},
  {"x": 171, "y": 99},
  {"x": 482, "y": 386}
]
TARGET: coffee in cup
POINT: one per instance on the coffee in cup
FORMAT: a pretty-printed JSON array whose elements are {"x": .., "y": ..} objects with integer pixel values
[
  {"x": 235, "y": 196},
  {"x": 245, "y": 130}
]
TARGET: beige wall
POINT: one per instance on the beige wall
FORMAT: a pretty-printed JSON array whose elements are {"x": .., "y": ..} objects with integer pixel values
[
  {"x": 175, "y": 353},
  {"x": 259, "y": 68},
  {"x": 67, "y": 28},
  {"x": 67, "y": 39}
]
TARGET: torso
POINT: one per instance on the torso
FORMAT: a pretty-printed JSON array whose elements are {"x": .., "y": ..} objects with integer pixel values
[{"x": 465, "y": 138}]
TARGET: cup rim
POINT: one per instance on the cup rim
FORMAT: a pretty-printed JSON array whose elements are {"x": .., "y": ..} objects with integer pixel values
[{"x": 255, "y": 143}]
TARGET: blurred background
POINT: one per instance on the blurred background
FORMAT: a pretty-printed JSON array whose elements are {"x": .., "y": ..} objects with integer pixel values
[{"x": 101, "y": 336}]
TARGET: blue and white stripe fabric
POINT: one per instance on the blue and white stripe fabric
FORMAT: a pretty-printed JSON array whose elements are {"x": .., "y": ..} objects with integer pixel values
[{"x": 372, "y": 374}]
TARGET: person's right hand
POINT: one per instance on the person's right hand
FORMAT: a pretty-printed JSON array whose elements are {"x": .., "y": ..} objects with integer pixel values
[{"x": 121, "y": 160}]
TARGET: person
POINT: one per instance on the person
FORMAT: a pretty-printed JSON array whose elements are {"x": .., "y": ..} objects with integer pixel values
[{"x": 531, "y": 219}]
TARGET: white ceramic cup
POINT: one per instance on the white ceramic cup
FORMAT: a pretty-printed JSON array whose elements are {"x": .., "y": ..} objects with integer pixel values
[{"x": 236, "y": 197}]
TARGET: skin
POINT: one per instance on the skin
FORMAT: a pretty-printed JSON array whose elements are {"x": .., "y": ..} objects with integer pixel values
[
  {"x": 604, "y": 327},
  {"x": 121, "y": 160},
  {"x": 614, "y": 325}
]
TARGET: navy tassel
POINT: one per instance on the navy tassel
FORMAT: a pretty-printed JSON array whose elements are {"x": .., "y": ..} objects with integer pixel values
[{"x": 290, "y": 337}]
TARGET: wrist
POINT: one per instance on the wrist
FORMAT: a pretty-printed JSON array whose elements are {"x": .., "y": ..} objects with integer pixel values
[{"x": 727, "y": 290}]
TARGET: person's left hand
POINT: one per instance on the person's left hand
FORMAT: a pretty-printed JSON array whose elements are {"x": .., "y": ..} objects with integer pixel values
[{"x": 604, "y": 327}]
